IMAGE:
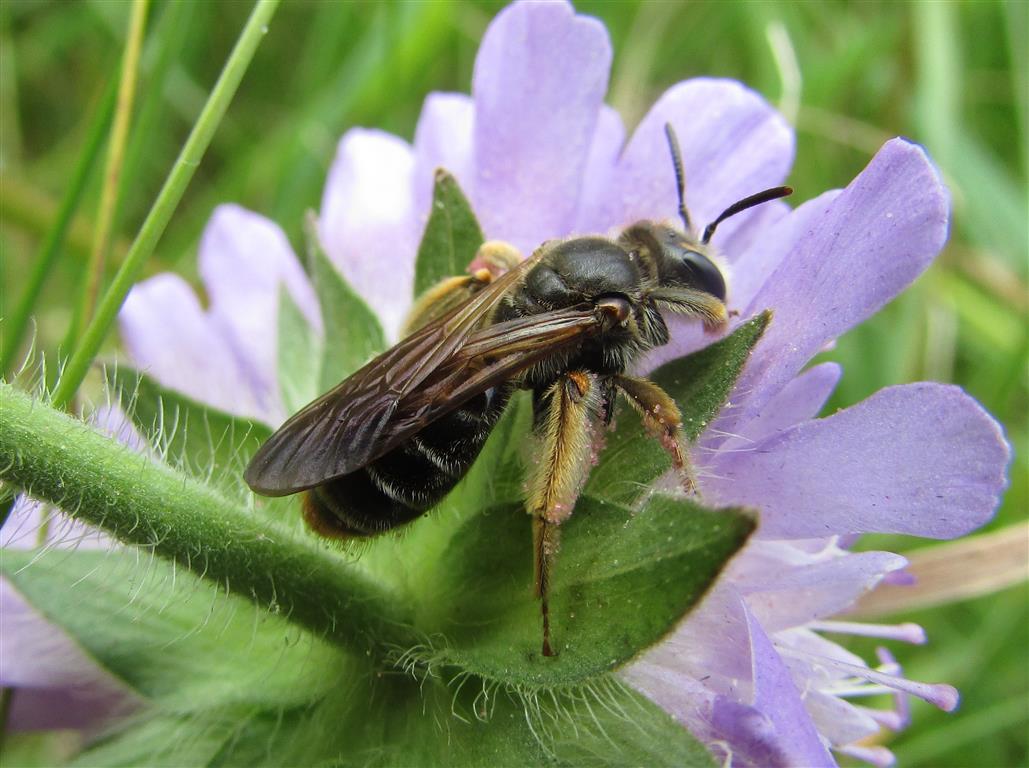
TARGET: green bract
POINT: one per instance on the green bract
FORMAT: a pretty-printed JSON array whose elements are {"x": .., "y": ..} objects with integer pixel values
[
  {"x": 353, "y": 335},
  {"x": 452, "y": 235},
  {"x": 415, "y": 648}
]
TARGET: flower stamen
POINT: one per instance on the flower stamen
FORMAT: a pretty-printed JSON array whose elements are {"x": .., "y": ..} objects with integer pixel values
[{"x": 907, "y": 632}]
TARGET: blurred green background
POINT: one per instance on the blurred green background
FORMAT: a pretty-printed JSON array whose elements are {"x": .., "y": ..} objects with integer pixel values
[{"x": 952, "y": 76}]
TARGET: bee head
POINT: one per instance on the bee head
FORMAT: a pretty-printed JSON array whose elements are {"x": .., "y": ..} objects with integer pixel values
[
  {"x": 683, "y": 263},
  {"x": 674, "y": 260},
  {"x": 685, "y": 278}
]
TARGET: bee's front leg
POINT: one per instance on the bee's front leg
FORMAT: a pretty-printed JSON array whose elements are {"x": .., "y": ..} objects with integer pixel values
[
  {"x": 566, "y": 415},
  {"x": 661, "y": 417}
]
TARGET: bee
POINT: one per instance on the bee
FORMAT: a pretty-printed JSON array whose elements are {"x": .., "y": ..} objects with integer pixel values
[{"x": 567, "y": 324}]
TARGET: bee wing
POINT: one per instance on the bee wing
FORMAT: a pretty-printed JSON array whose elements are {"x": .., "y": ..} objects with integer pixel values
[
  {"x": 491, "y": 356},
  {"x": 424, "y": 377},
  {"x": 398, "y": 393}
]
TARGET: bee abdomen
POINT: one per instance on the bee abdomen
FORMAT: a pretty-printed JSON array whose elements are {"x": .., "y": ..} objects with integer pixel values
[{"x": 400, "y": 486}]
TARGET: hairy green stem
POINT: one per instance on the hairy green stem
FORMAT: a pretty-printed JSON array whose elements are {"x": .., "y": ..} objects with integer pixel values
[
  {"x": 167, "y": 201},
  {"x": 112, "y": 169},
  {"x": 143, "y": 502}
]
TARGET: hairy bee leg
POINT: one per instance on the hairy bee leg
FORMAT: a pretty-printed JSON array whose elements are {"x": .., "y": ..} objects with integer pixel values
[
  {"x": 492, "y": 259},
  {"x": 661, "y": 416},
  {"x": 693, "y": 303},
  {"x": 545, "y": 539},
  {"x": 443, "y": 297},
  {"x": 609, "y": 394},
  {"x": 564, "y": 421},
  {"x": 496, "y": 256}
]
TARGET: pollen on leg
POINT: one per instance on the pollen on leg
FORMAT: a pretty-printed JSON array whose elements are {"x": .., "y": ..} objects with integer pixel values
[
  {"x": 559, "y": 512},
  {"x": 496, "y": 257},
  {"x": 581, "y": 385}
]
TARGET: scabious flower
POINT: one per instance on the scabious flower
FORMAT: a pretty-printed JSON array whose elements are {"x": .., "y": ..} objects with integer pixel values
[{"x": 541, "y": 156}]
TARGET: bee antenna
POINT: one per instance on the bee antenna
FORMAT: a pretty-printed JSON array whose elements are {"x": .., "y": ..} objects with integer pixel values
[
  {"x": 741, "y": 205},
  {"x": 680, "y": 184}
]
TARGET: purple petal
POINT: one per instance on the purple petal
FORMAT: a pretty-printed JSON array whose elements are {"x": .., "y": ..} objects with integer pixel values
[
  {"x": 733, "y": 145},
  {"x": 799, "y": 401},
  {"x": 57, "y": 684},
  {"x": 880, "y": 757},
  {"x": 804, "y": 642},
  {"x": 539, "y": 82},
  {"x": 749, "y": 254},
  {"x": 367, "y": 223},
  {"x": 784, "y": 597},
  {"x": 776, "y": 695},
  {"x": 866, "y": 246},
  {"x": 702, "y": 668},
  {"x": 922, "y": 459},
  {"x": 758, "y": 250},
  {"x": 113, "y": 422},
  {"x": 443, "y": 139},
  {"x": 170, "y": 337},
  {"x": 837, "y": 720},
  {"x": 245, "y": 260},
  {"x": 226, "y": 356},
  {"x": 711, "y": 643},
  {"x": 21, "y": 531},
  {"x": 677, "y": 692},
  {"x": 753, "y": 254},
  {"x": 750, "y": 735},
  {"x": 599, "y": 174}
]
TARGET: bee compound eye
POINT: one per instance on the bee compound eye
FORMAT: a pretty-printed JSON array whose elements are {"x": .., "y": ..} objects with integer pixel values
[{"x": 704, "y": 273}]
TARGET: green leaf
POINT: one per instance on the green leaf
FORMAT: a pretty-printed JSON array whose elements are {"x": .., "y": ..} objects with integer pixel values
[
  {"x": 700, "y": 383},
  {"x": 603, "y": 725},
  {"x": 170, "y": 636},
  {"x": 163, "y": 741},
  {"x": 396, "y": 720},
  {"x": 353, "y": 335},
  {"x": 206, "y": 442},
  {"x": 452, "y": 235},
  {"x": 621, "y": 583},
  {"x": 300, "y": 356},
  {"x": 34, "y": 749},
  {"x": 646, "y": 735}
]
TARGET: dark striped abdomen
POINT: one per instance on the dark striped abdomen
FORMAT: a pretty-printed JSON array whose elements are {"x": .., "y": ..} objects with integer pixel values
[{"x": 408, "y": 480}]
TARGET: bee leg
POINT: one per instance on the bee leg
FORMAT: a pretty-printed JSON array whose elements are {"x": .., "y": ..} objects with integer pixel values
[
  {"x": 443, "y": 297},
  {"x": 492, "y": 259},
  {"x": 608, "y": 400},
  {"x": 662, "y": 418},
  {"x": 546, "y": 538},
  {"x": 565, "y": 416}
]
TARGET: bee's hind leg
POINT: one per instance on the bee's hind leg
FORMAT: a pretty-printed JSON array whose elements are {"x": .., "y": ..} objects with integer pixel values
[
  {"x": 662, "y": 418},
  {"x": 565, "y": 417},
  {"x": 492, "y": 259}
]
